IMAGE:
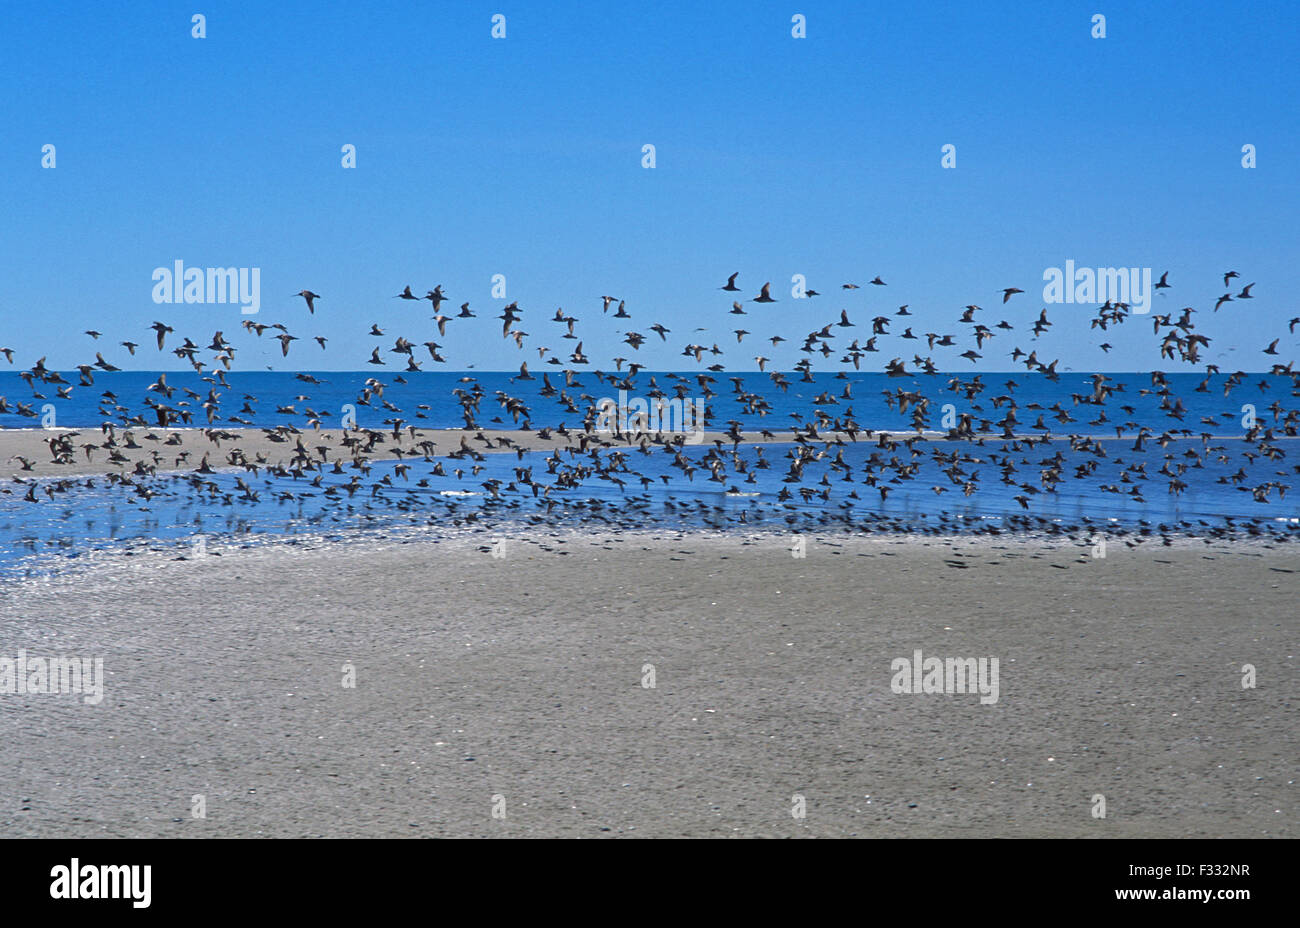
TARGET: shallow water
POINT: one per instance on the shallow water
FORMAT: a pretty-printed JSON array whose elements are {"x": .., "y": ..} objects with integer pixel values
[{"x": 232, "y": 507}]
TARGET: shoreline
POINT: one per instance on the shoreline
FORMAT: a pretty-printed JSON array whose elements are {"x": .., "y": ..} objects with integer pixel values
[
  {"x": 194, "y": 443},
  {"x": 55, "y": 564}
]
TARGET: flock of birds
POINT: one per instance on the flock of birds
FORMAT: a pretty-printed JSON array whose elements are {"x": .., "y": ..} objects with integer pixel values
[{"x": 987, "y": 437}]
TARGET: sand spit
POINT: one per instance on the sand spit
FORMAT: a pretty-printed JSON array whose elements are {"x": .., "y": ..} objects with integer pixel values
[{"x": 522, "y": 676}]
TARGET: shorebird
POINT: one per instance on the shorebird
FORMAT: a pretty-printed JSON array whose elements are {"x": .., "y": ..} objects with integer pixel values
[
  {"x": 310, "y": 298},
  {"x": 821, "y": 434},
  {"x": 511, "y": 316}
]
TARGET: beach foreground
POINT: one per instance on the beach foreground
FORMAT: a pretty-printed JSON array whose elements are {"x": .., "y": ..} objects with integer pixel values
[{"x": 517, "y": 684}]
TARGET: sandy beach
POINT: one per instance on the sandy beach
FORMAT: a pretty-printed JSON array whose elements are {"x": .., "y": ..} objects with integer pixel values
[
  {"x": 183, "y": 449},
  {"x": 516, "y": 684}
]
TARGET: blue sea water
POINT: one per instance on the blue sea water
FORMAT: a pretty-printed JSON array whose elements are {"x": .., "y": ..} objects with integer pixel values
[
  {"x": 427, "y": 399},
  {"x": 636, "y": 489}
]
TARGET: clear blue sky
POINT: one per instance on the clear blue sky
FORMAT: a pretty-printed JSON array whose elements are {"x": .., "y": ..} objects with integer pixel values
[{"x": 522, "y": 156}]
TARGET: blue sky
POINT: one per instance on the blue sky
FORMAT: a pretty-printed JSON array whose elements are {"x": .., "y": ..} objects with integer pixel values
[{"x": 522, "y": 157}]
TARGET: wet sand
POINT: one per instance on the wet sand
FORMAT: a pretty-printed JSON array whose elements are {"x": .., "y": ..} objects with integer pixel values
[
  {"x": 183, "y": 449},
  {"x": 26, "y": 454},
  {"x": 521, "y": 677}
]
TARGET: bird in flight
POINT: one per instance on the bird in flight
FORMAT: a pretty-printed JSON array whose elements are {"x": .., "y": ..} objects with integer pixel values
[
  {"x": 162, "y": 329},
  {"x": 310, "y": 298}
]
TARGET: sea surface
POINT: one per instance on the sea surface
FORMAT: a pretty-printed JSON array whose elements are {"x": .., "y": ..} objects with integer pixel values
[{"x": 266, "y": 399}]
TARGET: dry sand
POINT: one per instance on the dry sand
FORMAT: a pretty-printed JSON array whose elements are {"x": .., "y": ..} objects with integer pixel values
[{"x": 521, "y": 677}]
